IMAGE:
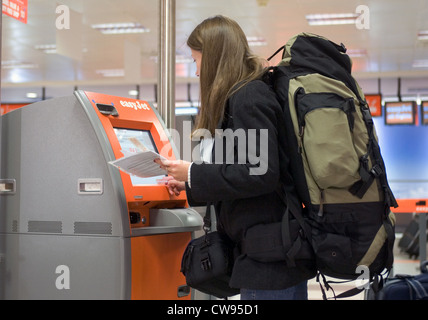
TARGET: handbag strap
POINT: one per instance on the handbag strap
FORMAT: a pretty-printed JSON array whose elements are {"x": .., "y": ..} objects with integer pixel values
[{"x": 207, "y": 218}]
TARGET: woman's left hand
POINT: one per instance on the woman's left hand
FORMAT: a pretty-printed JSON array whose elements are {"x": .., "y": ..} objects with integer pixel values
[{"x": 178, "y": 169}]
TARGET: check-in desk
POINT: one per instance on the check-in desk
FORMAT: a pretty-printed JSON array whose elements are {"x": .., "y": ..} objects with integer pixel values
[{"x": 72, "y": 226}]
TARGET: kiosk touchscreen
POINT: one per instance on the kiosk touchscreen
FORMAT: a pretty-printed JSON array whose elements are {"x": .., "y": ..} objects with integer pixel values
[
  {"x": 74, "y": 226},
  {"x": 125, "y": 137}
]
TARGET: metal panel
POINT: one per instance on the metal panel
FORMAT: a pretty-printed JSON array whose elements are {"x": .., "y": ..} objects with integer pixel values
[
  {"x": 65, "y": 209},
  {"x": 56, "y": 267},
  {"x": 166, "y": 71}
]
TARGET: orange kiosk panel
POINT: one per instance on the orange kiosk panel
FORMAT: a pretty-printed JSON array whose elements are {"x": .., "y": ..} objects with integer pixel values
[
  {"x": 156, "y": 258},
  {"x": 5, "y": 108}
]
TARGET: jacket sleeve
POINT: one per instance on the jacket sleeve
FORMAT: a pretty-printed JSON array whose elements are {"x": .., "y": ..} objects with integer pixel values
[
  {"x": 246, "y": 161},
  {"x": 192, "y": 202}
]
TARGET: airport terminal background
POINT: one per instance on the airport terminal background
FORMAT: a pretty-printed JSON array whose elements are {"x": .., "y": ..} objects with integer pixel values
[{"x": 404, "y": 146}]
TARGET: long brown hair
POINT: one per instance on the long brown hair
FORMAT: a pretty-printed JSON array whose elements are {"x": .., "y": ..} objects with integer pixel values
[{"x": 227, "y": 65}]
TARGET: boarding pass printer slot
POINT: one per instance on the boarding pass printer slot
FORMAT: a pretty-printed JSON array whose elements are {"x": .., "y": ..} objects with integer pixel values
[{"x": 170, "y": 221}]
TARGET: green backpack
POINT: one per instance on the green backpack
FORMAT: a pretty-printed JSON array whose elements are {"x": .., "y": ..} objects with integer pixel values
[{"x": 335, "y": 159}]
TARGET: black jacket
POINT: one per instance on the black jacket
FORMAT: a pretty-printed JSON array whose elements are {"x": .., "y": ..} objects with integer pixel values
[{"x": 243, "y": 197}]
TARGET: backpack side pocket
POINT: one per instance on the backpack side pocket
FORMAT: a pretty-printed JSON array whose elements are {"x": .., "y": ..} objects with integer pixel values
[{"x": 326, "y": 123}]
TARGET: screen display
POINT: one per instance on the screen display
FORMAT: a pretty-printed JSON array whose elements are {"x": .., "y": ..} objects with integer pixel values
[
  {"x": 375, "y": 104},
  {"x": 127, "y": 140},
  {"x": 424, "y": 113},
  {"x": 400, "y": 113}
]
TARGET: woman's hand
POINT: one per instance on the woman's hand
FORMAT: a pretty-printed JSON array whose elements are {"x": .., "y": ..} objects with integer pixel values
[
  {"x": 177, "y": 169},
  {"x": 174, "y": 187}
]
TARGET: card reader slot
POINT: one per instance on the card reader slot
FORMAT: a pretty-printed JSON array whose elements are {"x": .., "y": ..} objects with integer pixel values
[
  {"x": 90, "y": 186},
  {"x": 107, "y": 109},
  {"x": 7, "y": 186}
]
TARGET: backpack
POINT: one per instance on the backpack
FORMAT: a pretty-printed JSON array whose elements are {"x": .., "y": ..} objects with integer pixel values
[{"x": 335, "y": 159}]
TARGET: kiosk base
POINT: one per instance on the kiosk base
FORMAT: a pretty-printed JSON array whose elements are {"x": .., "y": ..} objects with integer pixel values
[{"x": 154, "y": 265}]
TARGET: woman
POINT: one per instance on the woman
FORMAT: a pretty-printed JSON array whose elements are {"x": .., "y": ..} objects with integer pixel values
[{"x": 234, "y": 100}]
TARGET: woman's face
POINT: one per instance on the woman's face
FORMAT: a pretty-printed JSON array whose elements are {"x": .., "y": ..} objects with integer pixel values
[{"x": 197, "y": 57}]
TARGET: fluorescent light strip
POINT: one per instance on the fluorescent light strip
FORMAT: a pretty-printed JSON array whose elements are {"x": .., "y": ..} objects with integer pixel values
[
  {"x": 323, "y": 16},
  {"x": 183, "y": 104},
  {"x": 46, "y": 48},
  {"x": 179, "y": 59},
  {"x": 182, "y": 59},
  {"x": 15, "y": 64},
  {"x": 256, "y": 41},
  {"x": 357, "y": 53},
  {"x": 420, "y": 64},
  {"x": 31, "y": 95},
  {"x": 332, "y": 19},
  {"x": 111, "y": 73},
  {"x": 186, "y": 111},
  {"x": 120, "y": 28},
  {"x": 423, "y": 35}
]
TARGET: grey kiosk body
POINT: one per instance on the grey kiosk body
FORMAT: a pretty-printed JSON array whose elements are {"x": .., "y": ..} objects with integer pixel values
[{"x": 65, "y": 230}]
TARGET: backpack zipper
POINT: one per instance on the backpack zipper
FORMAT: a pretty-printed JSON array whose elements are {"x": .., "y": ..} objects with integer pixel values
[
  {"x": 300, "y": 141},
  {"x": 321, "y": 210}
]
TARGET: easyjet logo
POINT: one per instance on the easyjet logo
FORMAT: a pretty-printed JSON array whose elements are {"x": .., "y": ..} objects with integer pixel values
[{"x": 135, "y": 105}]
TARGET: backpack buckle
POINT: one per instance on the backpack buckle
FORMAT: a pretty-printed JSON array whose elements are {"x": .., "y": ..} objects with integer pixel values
[
  {"x": 206, "y": 264},
  {"x": 376, "y": 171}
]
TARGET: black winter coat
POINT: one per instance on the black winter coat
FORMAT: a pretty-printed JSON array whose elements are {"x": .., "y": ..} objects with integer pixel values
[{"x": 243, "y": 197}]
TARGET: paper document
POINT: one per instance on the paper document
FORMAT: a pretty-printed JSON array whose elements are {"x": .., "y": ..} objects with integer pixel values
[{"x": 141, "y": 164}]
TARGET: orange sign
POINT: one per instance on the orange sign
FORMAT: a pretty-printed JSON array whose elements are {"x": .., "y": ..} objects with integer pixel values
[
  {"x": 400, "y": 112},
  {"x": 375, "y": 104},
  {"x": 411, "y": 206},
  {"x": 425, "y": 112},
  {"x": 17, "y": 9}
]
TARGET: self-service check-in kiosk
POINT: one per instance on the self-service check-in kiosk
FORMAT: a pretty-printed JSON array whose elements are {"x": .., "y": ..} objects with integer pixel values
[{"x": 74, "y": 227}]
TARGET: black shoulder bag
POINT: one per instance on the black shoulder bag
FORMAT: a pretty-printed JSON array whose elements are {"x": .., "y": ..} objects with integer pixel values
[{"x": 208, "y": 260}]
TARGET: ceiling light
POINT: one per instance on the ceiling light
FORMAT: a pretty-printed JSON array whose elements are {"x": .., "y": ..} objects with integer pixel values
[
  {"x": 189, "y": 111},
  {"x": 183, "y": 104},
  {"x": 332, "y": 19},
  {"x": 256, "y": 41},
  {"x": 120, "y": 28},
  {"x": 420, "y": 64},
  {"x": 133, "y": 93},
  {"x": 46, "y": 48},
  {"x": 183, "y": 59},
  {"x": 32, "y": 95},
  {"x": 357, "y": 53},
  {"x": 110, "y": 73},
  {"x": 16, "y": 64},
  {"x": 423, "y": 35},
  {"x": 179, "y": 59}
]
